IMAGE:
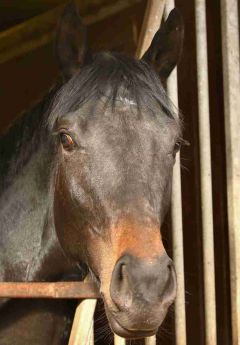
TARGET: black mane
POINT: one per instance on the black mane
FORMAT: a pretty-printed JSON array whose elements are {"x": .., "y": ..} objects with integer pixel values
[{"x": 113, "y": 76}]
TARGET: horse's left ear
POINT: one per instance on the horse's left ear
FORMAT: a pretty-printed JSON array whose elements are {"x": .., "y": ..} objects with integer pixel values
[
  {"x": 166, "y": 47},
  {"x": 71, "y": 42}
]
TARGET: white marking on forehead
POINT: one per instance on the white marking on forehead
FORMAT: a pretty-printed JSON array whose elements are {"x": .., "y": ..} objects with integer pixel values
[{"x": 126, "y": 100}]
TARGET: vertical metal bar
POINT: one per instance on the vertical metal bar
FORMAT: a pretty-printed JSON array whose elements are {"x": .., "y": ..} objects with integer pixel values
[
  {"x": 82, "y": 329},
  {"x": 151, "y": 23},
  {"x": 205, "y": 173},
  {"x": 177, "y": 225},
  {"x": 118, "y": 340},
  {"x": 231, "y": 77}
]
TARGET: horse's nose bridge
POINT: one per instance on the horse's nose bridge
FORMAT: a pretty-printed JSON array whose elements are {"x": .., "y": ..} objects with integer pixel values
[{"x": 138, "y": 238}]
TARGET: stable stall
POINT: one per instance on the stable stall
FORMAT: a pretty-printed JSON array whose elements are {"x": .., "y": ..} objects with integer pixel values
[{"x": 202, "y": 232}]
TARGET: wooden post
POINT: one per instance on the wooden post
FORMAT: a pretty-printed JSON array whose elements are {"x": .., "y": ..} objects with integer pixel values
[
  {"x": 82, "y": 332},
  {"x": 151, "y": 340},
  {"x": 151, "y": 23},
  {"x": 231, "y": 78},
  {"x": 205, "y": 173},
  {"x": 118, "y": 340}
]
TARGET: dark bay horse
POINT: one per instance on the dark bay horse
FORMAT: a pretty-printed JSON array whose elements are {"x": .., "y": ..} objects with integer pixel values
[{"x": 85, "y": 182}]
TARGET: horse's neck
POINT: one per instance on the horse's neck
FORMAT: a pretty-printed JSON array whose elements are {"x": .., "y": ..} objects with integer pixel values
[
  {"x": 24, "y": 211},
  {"x": 29, "y": 249},
  {"x": 29, "y": 246}
]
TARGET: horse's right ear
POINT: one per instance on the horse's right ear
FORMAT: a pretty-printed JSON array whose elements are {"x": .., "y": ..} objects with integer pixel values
[
  {"x": 166, "y": 47},
  {"x": 71, "y": 42}
]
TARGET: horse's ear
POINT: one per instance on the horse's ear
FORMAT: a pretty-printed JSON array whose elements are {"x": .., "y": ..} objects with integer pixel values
[
  {"x": 71, "y": 42},
  {"x": 166, "y": 47}
]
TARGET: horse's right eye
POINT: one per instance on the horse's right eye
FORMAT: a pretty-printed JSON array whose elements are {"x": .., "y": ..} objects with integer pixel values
[{"x": 67, "y": 141}]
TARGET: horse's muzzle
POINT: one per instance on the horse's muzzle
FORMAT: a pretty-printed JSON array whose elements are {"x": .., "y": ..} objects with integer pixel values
[{"x": 141, "y": 290}]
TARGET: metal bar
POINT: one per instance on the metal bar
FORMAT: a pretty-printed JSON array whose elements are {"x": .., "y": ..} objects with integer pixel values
[
  {"x": 231, "y": 77},
  {"x": 205, "y": 173},
  {"x": 119, "y": 341},
  {"x": 177, "y": 224},
  {"x": 82, "y": 332},
  {"x": 49, "y": 290},
  {"x": 151, "y": 23}
]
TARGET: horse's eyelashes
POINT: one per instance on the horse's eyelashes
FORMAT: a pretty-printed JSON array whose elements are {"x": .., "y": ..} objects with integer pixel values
[
  {"x": 177, "y": 146},
  {"x": 67, "y": 141}
]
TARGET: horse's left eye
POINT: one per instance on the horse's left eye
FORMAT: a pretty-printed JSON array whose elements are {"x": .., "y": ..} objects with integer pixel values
[
  {"x": 177, "y": 147},
  {"x": 67, "y": 141}
]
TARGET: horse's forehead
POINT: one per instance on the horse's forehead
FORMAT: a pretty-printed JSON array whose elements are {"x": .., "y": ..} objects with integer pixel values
[{"x": 125, "y": 117}]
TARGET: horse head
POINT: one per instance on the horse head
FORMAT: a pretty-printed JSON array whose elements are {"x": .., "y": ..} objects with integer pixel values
[{"x": 116, "y": 135}]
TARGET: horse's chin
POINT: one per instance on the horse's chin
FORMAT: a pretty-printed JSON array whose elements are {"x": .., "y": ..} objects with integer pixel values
[{"x": 123, "y": 332}]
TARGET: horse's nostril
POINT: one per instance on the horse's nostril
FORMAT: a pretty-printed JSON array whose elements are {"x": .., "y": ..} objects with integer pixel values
[
  {"x": 169, "y": 292},
  {"x": 121, "y": 272},
  {"x": 170, "y": 268},
  {"x": 120, "y": 288}
]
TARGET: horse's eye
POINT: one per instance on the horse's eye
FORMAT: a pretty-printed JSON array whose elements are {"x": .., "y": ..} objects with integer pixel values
[
  {"x": 177, "y": 147},
  {"x": 67, "y": 141}
]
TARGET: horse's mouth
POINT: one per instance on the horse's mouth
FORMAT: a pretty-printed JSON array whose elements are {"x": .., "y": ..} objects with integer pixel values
[{"x": 124, "y": 332}]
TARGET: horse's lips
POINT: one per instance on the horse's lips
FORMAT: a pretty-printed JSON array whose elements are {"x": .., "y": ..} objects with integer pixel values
[{"x": 126, "y": 333}]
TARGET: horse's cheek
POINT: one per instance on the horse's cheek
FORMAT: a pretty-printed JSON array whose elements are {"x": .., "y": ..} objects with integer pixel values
[{"x": 68, "y": 230}]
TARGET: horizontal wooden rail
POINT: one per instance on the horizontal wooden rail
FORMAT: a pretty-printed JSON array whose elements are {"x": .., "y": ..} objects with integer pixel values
[
  {"x": 40, "y": 30},
  {"x": 67, "y": 290}
]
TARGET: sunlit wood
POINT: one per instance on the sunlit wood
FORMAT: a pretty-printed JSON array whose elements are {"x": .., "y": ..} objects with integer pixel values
[
  {"x": 48, "y": 290},
  {"x": 151, "y": 23}
]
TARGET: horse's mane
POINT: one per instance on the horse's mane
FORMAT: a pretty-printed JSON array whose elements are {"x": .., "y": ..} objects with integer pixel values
[{"x": 112, "y": 76}]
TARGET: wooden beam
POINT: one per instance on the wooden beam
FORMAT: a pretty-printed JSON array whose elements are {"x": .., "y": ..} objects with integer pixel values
[
  {"x": 69, "y": 290},
  {"x": 151, "y": 23},
  {"x": 40, "y": 30}
]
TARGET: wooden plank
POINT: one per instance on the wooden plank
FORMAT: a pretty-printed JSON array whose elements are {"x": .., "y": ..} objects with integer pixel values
[
  {"x": 119, "y": 340},
  {"x": 45, "y": 5},
  {"x": 40, "y": 30},
  {"x": 57, "y": 290},
  {"x": 82, "y": 332},
  {"x": 151, "y": 340}
]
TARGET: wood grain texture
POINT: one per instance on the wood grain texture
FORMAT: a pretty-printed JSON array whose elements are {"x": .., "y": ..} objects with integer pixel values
[
  {"x": 40, "y": 30},
  {"x": 69, "y": 290}
]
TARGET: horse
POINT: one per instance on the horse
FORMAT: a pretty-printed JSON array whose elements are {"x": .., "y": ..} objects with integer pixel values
[{"x": 85, "y": 184}]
